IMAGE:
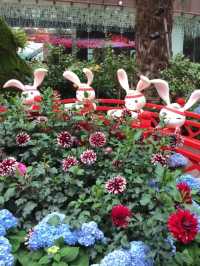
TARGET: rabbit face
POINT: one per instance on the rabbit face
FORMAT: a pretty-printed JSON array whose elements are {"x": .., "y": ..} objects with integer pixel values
[
  {"x": 172, "y": 115},
  {"x": 85, "y": 92},
  {"x": 134, "y": 100}
]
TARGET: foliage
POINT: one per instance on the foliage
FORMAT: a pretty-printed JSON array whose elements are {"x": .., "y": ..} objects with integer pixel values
[
  {"x": 105, "y": 81},
  {"x": 20, "y": 38},
  {"x": 12, "y": 66},
  {"x": 80, "y": 191},
  {"x": 183, "y": 76}
]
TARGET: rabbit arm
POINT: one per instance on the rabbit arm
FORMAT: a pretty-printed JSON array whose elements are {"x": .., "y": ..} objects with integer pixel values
[
  {"x": 39, "y": 75},
  {"x": 162, "y": 88},
  {"x": 71, "y": 76},
  {"x": 195, "y": 96},
  {"x": 143, "y": 83},
  {"x": 14, "y": 83},
  {"x": 89, "y": 75},
  {"x": 123, "y": 79}
]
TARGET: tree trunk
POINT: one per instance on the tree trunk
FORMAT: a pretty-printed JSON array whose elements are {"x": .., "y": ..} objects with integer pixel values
[{"x": 154, "y": 21}]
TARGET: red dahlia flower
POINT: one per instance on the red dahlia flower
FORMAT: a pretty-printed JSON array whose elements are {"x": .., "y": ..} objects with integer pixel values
[
  {"x": 64, "y": 139},
  {"x": 185, "y": 192},
  {"x": 22, "y": 139},
  {"x": 183, "y": 225},
  {"x": 121, "y": 216},
  {"x": 116, "y": 185},
  {"x": 97, "y": 139}
]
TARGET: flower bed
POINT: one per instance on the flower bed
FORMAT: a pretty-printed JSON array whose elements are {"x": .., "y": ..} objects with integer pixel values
[{"x": 89, "y": 190}]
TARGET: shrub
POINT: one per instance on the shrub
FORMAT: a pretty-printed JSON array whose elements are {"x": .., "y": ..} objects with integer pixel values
[{"x": 183, "y": 76}]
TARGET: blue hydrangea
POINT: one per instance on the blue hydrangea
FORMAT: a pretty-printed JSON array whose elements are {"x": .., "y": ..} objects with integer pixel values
[
  {"x": 170, "y": 241},
  {"x": 7, "y": 220},
  {"x": 89, "y": 233},
  {"x": 136, "y": 255},
  {"x": 196, "y": 211},
  {"x": 197, "y": 110},
  {"x": 2, "y": 230},
  {"x": 5, "y": 256},
  {"x": 117, "y": 258},
  {"x": 191, "y": 181},
  {"x": 45, "y": 234},
  {"x": 140, "y": 254},
  {"x": 5, "y": 243},
  {"x": 177, "y": 160}
]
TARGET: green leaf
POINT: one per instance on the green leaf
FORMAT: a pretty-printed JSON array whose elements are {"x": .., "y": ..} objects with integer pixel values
[
  {"x": 44, "y": 260},
  {"x": 69, "y": 253},
  {"x": 9, "y": 193},
  {"x": 29, "y": 207},
  {"x": 54, "y": 220},
  {"x": 145, "y": 199},
  {"x": 57, "y": 257},
  {"x": 82, "y": 260}
]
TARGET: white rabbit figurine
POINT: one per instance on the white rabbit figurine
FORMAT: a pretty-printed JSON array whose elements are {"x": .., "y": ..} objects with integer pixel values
[
  {"x": 134, "y": 99},
  {"x": 84, "y": 92},
  {"x": 30, "y": 93},
  {"x": 173, "y": 114}
]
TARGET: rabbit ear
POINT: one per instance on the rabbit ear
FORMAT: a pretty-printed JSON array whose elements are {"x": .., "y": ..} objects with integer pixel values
[
  {"x": 123, "y": 79},
  {"x": 195, "y": 96},
  {"x": 143, "y": 83},
  {"x": 14, "y": 83},
  {"x": 162, "y": 88},
  {"x": 39, "y": 75},
  {"x": 89, "y": 75},
  {"x": 72, "y": 77}
]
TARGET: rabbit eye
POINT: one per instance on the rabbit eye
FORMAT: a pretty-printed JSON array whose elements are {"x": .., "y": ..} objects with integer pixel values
[
  {"x": 136, "y": 101},
  {"x": 164, "y": 113},
  {"x": 178, "y": 117}
]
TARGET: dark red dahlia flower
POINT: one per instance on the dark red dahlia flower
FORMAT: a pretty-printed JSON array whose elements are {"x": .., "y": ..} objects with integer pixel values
[
  {"x": 22, "y": 139},
  {"x": 183, "y": 225},
  {"x": 116, "y": 185},
  {"x": 159, "y": 158},
  {"x": 121, "y": 215},
  {"x": 64, "y": 139},
  {"x": 69, "y": 162},
  {"x": 97, "y": 139},
  {"x": 185, "y": 192},
  {"x": 88, "y": 157},
  {"x": 8, "y": 166}
]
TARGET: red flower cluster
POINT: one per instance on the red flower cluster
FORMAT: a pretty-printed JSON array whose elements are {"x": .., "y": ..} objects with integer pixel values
[
  {"x": 68, "y": 162},
  {"x": 22, "y": 139},
  {"x": 8, "y": 166},
  {"x": 88, "y": 157},
  {"x": 64, "y": 139},
  {"x": 183, "y": 225},
  {"x": 185, "y": 192},
  {"x": 121, "y": 215},
  {"x": 116, "y": 185},
  {"x": 97, "y": 139}
]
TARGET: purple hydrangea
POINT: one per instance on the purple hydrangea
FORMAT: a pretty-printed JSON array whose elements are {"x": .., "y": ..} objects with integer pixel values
[{"x": 177, "y": 160}]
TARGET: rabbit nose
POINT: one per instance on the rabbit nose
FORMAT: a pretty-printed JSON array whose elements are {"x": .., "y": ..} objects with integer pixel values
[{"x": 38, "y": 98}]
